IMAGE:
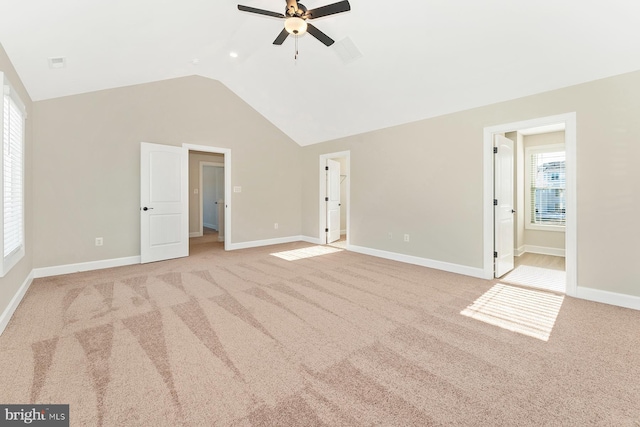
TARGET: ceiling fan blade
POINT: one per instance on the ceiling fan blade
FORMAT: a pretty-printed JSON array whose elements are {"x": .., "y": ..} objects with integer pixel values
[
  {"x": 281, "y": 37},
  {"x": 319, "y": 35},
  {"x": 260, "y": 11},
  {"x": 330, "y": 9}
]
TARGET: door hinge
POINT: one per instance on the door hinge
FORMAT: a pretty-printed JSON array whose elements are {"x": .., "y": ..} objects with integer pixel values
[
  {"x": 495, "y": 150},
  {"x": 495, "y": 202},
  {"x": 326, "y": 168},
  {"x": 495, "y": 254},
  {"x": 326, "y": 230},
  {"x": 326, "y": 199}
]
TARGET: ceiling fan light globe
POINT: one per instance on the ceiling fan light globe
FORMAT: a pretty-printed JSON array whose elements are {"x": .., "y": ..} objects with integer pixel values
[{"x": 295, "y": 26}]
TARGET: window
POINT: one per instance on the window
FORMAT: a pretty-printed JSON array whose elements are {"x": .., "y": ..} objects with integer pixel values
[
  {"x": 545, "y": 179},
  {"x": 12, "y": 120}
]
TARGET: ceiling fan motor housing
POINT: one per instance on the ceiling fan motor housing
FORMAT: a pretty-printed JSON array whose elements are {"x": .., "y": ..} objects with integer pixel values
[{"x": 295, "y": 9}]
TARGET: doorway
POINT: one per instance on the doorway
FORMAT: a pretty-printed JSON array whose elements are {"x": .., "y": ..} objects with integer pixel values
[
  {"x": 568, "y": 122},
  {"x": 200, "y": 188},
  {"x": 334, "y": 198},
  {"x": 211, "y": 189}
]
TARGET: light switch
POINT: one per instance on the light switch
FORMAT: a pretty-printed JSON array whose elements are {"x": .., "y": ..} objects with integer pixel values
[
  {"x": 195, "y": 191},
  {"x": 237, "y": 189}
]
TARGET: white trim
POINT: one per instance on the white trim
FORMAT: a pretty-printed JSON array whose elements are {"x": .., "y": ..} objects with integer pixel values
[
  {"x": 424, "y": 262},
  {"x": 195, "y": 234},
  {"x": 571, "y": 245},
  {"x": 519, "y": 251},
  {"x": 15, "y": 301},
  {"x": 211, "y": 226},
  {"x": 268, "y": 242},
  {"x": 606, "y": 297},
  {"x": 322, "y": 212},
  {"x": 84, "y": 266},
  {"x": 227, "y": 185},
  {"x": 313, "y": 240},
  {"x": 542, "y": 250}
]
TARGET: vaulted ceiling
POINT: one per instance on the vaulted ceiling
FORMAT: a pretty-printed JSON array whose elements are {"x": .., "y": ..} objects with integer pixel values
[{"x": 393, "y": 62}]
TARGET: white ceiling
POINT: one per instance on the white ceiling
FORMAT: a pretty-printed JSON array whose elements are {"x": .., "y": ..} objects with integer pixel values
[{"x": 419, "y": 59}]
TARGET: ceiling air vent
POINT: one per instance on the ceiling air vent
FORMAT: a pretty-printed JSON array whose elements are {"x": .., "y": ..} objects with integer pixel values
[
  {"x": 347, "y": 50},
  {"x": 59, "y": 62}
]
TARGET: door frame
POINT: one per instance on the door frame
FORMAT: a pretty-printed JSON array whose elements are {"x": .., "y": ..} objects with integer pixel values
[
  {"x": 571, "y": 246},
  {"x": 201, "y": 166},
  {"x": 322, "y": 211},
  {"x": 227, "y": 186}
]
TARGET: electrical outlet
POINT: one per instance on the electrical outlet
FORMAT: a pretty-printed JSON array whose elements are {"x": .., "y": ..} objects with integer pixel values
[
  {"x": 275, "y": 226},
  {"x": 99, "y": 241},
  {"x": 195, "y": 191},
  {"x": 406, "y": 237}
]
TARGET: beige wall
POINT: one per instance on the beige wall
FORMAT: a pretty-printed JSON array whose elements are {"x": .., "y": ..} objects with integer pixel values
[
  {"x": 547, "y": 239},
  {"x": 195, "y": 157},
  {"x": 87, "y": 165},
  {"x": 422, "y": 178},
  {"x": 10, "y": 283},
  {"x": 425, "y": 179}
]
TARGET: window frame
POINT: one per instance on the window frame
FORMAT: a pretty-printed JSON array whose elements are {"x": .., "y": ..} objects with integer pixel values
[
  {"x": 528, "y": 152},
  {"x": 8, "y": 261}
]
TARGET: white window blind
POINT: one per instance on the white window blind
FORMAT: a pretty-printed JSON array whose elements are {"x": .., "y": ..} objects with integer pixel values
[
  {"x": 547, "y": 187},
  {"x": 12, "y": 126},
  {"x": 12, "y": 176}
]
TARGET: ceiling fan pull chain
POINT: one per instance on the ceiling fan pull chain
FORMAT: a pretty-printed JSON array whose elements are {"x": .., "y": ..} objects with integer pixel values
[{"x": 295, "y": 57}]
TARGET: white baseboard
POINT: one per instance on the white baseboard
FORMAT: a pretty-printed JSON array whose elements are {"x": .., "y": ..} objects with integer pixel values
[
  {"x": 519, "y": 251},
  {"x": 214, "y": 227},
  {"x": 84, "y": 266},
  {"x": 15, "y": 301},
  {"x": 425, "y": 262},
  {"x": 544, "y": 250},
  {"x": 195, "y": 234},
  {"x": 314, "y": 240},
  {"x": 606, "y": 297}
]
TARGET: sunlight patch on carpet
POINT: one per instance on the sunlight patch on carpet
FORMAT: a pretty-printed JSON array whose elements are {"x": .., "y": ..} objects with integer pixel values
[
  {"x": 538, "y": 277},
  {"x": 309, "y": 252},
  {"x": 525, "y": 311}
]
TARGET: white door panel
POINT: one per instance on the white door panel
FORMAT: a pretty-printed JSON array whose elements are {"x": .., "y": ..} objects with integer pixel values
[
  {"x": 164, "y": 211},
  {"x": 503, "y": 211},
  {"x": 333, "y": 202}
]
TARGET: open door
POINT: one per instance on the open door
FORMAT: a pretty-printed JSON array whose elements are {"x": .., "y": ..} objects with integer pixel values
[
  {"x": 333, "y": 200},
  {"x": 503, "y": 205},
  {"x": 164, "y": 211}
]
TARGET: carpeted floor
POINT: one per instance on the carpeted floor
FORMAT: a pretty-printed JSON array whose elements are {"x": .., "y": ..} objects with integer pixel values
[{"x": 316, "y": 337}]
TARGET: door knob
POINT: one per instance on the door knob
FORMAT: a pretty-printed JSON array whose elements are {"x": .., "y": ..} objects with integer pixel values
[
  {"x": 512, "y": 211},
  {"x": 146, "y": 208}
]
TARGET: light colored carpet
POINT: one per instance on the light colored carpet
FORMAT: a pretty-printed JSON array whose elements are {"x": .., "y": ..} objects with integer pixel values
[{"x": 247, "y": 338}]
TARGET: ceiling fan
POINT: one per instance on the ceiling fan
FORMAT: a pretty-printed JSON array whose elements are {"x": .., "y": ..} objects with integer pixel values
[{"x": 296, "y": 16}]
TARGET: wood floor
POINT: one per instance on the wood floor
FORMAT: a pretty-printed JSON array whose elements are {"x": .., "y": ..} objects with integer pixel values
[{"x": 538, "y": 260}]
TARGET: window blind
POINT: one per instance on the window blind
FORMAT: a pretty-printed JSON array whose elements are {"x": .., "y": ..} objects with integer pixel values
[
  {"x": 12, "y": 176},
  {"x": 548, "y": 182}
]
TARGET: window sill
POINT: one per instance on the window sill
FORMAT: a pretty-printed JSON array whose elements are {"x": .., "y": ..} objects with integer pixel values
[{"x": 538, "y": 227}]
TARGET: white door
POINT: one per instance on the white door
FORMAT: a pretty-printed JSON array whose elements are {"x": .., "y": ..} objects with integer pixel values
[
  {"x": 503, "y": 201},
  {"x": 164, "y": 211},
  {"x": 333, "y": 200}
]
